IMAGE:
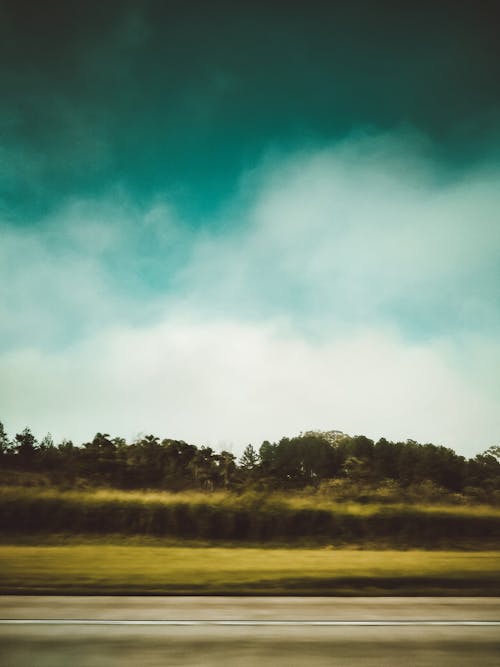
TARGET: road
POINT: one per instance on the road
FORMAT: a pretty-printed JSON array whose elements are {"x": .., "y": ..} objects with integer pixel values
[{"x": 209, "y": 631}]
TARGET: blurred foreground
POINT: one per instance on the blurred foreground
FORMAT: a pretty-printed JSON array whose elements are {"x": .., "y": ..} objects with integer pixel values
[
  {"x": 256, "y": 640},
  {"x": 247, "y": 518},
  {"x": 122, "y": 568}
]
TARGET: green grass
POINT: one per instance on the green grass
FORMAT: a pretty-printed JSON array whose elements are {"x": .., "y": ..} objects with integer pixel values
[
  {"x": 125, "y": 568},
  {"x": 295, "y": 501},
  {"x": 116, "y": 542},
  {"x": 224, "y": 499},
  {"x": 247, "y": 519}
]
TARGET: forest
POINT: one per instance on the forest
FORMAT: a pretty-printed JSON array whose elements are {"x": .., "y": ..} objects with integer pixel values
[{"x": 331, "y": 463}]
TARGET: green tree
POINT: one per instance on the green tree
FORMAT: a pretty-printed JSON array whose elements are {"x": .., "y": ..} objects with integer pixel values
[
  {"x": 179, "y": 454},
  {"x": 267, "y": 457},
  {"x": 48, "y": 454},
  {"x": 26, "y": 448},
  {"x": 357, "y": 470},
  {"x": 5, "y": 445},
  {"x": 493, "y": 451},
  {"x": 100, "y": 460},
  {"x": 204, "y": 468},
  {"x": 70, "y": 462},
  {"x": 249, "y": 460},
  {"x": 227, "y": 467}
]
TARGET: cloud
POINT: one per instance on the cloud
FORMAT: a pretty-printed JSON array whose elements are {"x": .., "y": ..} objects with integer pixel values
[
  {"x": 228, "y": 384},
  {"x": 358, "y": 234},
  {"x": 352, "y": 287},
  {"x": 91, "y": 264}
]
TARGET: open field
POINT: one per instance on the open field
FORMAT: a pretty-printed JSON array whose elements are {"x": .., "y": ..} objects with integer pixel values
[
  {"x": 126, "y": 568},
  {"x": 247, "y": 518}
]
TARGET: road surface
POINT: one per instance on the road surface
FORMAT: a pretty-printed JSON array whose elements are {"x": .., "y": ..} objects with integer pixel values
[{"x": 244, "y": 632}]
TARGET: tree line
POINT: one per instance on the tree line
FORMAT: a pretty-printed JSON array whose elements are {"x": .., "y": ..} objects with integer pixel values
[{"x": 313, "y": 460}]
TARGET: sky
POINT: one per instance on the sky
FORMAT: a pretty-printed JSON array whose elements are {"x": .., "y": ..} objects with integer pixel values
[{"x": 226, "y": 222}]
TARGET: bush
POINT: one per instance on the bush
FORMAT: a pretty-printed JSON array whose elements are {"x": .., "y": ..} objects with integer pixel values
[{"x": 245, "y": 518}]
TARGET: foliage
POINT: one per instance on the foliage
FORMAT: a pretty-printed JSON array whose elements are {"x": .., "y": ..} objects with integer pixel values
[
  {"x": 246, "y": 518},
  {"x": 350, "y": 467}
]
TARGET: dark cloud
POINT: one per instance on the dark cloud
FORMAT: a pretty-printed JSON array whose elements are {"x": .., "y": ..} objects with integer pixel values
[{"x": 183, "y": 96}]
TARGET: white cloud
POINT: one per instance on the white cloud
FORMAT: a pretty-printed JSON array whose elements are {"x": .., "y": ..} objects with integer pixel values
[
  {"x": 355, "y": 235},
  {"x": 351, "y": 288},
  {"x": 227, "y": 382},
  {"x": 90, "y": 264}
]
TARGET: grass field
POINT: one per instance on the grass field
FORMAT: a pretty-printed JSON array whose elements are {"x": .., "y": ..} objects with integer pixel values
[
  {"x": 118, "y": 542},
  {"x": 127, "y": 568}
]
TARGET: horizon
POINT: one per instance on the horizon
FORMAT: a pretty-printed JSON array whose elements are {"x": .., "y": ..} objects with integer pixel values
[{"x": 332, "y": 436}]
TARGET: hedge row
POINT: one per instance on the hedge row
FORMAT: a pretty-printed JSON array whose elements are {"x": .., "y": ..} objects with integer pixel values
[{"x": 265, "y": 523}]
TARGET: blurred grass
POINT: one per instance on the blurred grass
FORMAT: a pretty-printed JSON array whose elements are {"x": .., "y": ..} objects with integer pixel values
[
  {"x": 228, "y": 499},
  {"x": 124, "y": 568},
  {"x": 246, "y": 518}
]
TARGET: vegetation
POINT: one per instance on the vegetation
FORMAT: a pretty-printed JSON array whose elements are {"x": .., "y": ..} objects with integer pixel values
[
  {"x": 318, "y": 488},
  {"x": 164, "y": 516},
  {"x": 329, "y": 464},
  {"x": 124, "y": 568},
  {"x": 251, "y": 517}
]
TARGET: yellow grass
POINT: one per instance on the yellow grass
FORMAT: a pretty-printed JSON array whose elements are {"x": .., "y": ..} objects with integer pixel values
[
  {"x": 227, "y": 499},
  {"x": 122, "y": 568}
]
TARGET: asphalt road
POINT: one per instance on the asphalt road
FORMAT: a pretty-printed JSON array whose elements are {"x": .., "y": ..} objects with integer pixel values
[{"x": 154, "y": 631}]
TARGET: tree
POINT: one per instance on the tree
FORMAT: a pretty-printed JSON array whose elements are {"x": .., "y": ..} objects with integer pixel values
[
  {"x": 4, "y": 441},
  {"x": 493, "y": 451},
  {"x": 100, "y": 458},
  {"x": 385, "y": 460},
  {"x": 203, "y": 466},
  {"x": 357, "y": 470},
  {"x": 26, "y": 448},
  {"x": 70, "y": 461},
  {"x": 249, "y": 459},
  {"x": 149, "y": 459},
  {"x": 361, "y": 447},
  {"x": 48, "y": 454},
  {"x": 227, "y": 467},
  {"x": 178, "y": 456}
]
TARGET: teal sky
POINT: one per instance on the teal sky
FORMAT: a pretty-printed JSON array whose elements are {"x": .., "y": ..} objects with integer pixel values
[
  {"x": 248, "y": 198},
  {"x": 182, "y": 97}
]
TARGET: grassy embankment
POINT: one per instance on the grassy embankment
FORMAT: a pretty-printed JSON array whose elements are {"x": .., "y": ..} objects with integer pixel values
[{"x": 151, "y": 543}]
